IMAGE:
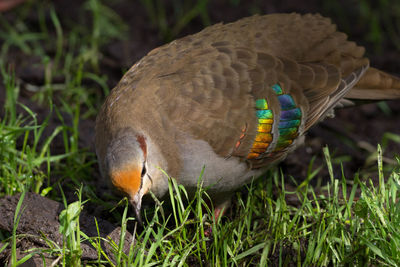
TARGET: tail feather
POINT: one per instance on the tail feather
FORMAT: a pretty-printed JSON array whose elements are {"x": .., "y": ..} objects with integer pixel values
[{"x": 376, "y": 85}]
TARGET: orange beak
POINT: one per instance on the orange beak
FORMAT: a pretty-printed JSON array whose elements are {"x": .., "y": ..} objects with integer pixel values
[{"x": 129, "y": 181}]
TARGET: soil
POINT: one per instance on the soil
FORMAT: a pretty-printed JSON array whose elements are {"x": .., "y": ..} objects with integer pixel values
[
  {"x": 362, "y": 125},
  {"x": 39, "y": 222}
]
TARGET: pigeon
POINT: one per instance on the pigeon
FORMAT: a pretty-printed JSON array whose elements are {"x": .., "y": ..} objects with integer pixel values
[{"x": 233, "y": 99}]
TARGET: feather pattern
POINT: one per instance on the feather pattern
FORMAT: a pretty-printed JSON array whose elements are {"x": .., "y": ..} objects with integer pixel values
[{"x": 250, "y": 89}]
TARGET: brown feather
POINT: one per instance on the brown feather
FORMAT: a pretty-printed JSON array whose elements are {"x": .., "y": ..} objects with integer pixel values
[
  {"x": 376, "y": 85},
  {"x": 205, "y": 85}
]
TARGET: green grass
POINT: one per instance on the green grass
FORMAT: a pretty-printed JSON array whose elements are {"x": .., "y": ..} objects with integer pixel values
[
  {"x": 348, "y": 221},
  {"x": 336, "y": 226},
  {"x": 183, "y": 13}
]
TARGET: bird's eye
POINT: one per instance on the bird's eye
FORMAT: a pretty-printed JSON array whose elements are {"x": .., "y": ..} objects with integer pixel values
[{"x": 144, "y": 170}]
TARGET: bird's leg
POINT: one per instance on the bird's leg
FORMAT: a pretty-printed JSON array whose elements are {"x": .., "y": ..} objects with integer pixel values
[{"x": 219, "y": 211}]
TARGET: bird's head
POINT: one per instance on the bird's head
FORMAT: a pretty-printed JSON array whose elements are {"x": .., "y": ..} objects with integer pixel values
[{"x": 126, "y": 165}]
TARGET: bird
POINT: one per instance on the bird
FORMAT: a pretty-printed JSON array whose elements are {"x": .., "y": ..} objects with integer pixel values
[{"x": 234, "y": 99}]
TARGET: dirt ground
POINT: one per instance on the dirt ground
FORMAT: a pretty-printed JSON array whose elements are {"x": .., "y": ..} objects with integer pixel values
[{"x": 361, "y": 125}]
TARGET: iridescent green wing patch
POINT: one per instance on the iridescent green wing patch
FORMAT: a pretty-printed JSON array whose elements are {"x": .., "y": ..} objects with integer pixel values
[
  {"x": 288, "y": 126},
  {"x": 264, "y": 136},
  {"x": 289, "y": 122}
]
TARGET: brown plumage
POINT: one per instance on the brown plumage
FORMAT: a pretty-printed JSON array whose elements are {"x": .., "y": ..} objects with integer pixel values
[{"x": 193, "y": 101}]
